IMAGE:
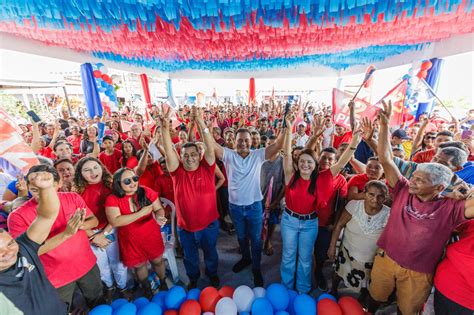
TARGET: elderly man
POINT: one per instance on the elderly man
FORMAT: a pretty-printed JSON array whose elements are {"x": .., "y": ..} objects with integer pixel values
[
  {"x": 243, "y": 168},
  {"x": 420, "y": 224},
  {"x": 22, "y": 277}
]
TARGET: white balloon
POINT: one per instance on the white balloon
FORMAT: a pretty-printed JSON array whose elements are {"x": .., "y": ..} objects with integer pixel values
[
  {"x": 208, "y": 313},
  {"x": 259, "y": 292},
  {"x": 243, "y": 298},
  {"x": 105, "y": 99},
  {"x": 103, "y": 69},
  {"x": 226, "y": 306}
]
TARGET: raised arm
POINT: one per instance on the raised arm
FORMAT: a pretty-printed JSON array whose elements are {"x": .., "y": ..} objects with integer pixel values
[
  {"x": 318, "y": 129},
  {"x": 36, "y": 141},
  {"x": 347, "y": 155},
  {"x": 419, "y": 136},
  {"x": 141, "y": 167},
  {"x": 368, "y": 130},
  {"x": 172, "y": 159},
  {"x": 384, "y": 150},
  {"x": 48, "y": 207},
  {"x": 205, "y": 134}
]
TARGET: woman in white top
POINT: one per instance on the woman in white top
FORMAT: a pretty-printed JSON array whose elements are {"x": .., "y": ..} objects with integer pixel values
[{"x": 363, "y": 221}]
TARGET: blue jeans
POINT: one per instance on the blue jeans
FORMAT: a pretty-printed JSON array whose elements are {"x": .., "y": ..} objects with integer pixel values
[
  {"x": 321, "y": 251},
  {"x": 207, "y": 240},
  {"x": 248, "y": 222},
  {"x": 298, "y": 238}
]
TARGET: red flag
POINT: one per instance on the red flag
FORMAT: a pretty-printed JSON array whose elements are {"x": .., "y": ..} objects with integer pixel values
[
  {"x": 397, "y": 96},
  {"x": 146, "y": 94},
  {"x": 12, "y": 146},
  {"x": 341, "y": 112}
]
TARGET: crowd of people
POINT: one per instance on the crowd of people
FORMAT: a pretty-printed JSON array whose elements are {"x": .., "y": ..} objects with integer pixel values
[{"x": 390, "y": 208}]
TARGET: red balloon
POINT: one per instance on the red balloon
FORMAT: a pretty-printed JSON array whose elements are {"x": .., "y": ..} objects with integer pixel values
[
  {"x": 328, "y": 307},
  {"x": 422, "y": 74},
  {"x": 226, "y": 291},
  {"x": 208, "y": 299},
  {"x": 109, "y": 80},
  {"x": 350, "y": 306},
  {"x": 97, "y": 74},
  {"x": 171, "y": 312},
  {"x": 426, "y": 65},
  {"x": 105, "y": 77},
  {"x": 190, "y": 307}
]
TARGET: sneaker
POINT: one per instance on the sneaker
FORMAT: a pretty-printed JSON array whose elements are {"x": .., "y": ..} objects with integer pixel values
[
  {"x": 191, "y": 285},
  {"x": 241, "y": 264},
  {"x": 257, "y": 278},
  {"x": 215, "y": 281}
]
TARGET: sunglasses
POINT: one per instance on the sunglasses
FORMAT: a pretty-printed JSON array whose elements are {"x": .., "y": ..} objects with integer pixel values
[
  {"x": 430, "y": 138},
  {"x": 128, "y": 181}
]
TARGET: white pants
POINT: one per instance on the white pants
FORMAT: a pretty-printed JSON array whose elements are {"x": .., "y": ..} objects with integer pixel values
[{"x": 110, "y": 266}]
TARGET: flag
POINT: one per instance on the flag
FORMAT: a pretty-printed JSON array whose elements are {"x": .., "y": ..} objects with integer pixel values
[
  {"x": 366, "y": 91},
  {"x": 397, "y": 97},
  {"x": 341, "y": 112},
  {"x": 126, "y": 125},
  {"x": 91, "y": 94},
  {"x": 146, "y": 94},
  {"x": 12, "y": 146},
  {"x": 251, "y": 91},
  {"x": 273, "y": 93}
]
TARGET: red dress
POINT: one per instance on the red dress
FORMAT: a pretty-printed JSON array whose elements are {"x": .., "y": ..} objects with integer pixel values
[
  {"x": 95, "y": 195},
  {"x": 141, "y": 240}
]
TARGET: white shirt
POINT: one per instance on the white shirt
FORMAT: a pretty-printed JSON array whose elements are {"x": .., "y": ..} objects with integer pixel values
[
  {"x": 363, "y": 231},
  {"x": 243, "y": 176},
  {"x": 301, "y": 140},
  {"x": 5, "y": 179},
  {"x": 327, "y": 136}
]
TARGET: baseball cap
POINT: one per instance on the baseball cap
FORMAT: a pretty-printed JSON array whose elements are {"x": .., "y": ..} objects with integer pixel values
[{"x": 400, "y": 133}]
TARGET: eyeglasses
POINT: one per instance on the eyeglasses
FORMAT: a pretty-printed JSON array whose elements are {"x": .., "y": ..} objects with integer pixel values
[
  {"x": 430, "y": 138},
  {"x": 128, "y": 181}
]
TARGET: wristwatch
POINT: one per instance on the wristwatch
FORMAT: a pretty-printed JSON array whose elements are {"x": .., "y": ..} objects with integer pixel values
[
  {"x": 206, "y": 130},
  {"x": 107, "y": 233}
]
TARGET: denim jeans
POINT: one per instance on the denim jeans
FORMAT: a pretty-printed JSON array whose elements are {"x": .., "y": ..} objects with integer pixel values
[
  {"x": 248, "y": 222},
  {"x": 298, "y": 238},
  {"x": 207, "y": 240}
]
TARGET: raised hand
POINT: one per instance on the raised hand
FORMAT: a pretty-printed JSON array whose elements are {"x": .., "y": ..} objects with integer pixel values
[
  {"x": 386, "y": 113},
  {"x": 74, "y": 223},
  {"x": 21, "y": 185},
  {"x": 290, "y": 120},
  {"x": 367, "y": 129},
  {"x": 318, "y": 125}
]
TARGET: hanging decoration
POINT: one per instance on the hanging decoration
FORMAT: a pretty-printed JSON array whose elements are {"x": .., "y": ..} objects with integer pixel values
[
  {"x": 238, "y": 35},
  {"x": 105, "y": 88}
]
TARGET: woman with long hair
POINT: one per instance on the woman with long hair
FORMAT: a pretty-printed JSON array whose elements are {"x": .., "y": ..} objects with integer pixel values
[
  {"x": 93, "y": 182},
  {"x": 88, "y": 139},
  {"x": 130, "y": 209},
  {"x": 129, "y": 155},
  {"x": 306, "y": 191}
]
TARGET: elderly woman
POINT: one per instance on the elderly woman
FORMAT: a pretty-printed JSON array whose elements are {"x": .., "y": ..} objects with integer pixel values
[{"x": 363, "y": 221}]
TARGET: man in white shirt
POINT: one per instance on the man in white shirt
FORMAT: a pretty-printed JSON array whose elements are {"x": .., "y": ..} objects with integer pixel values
[
  {"x": 245, "y": 198},
  {"x": 300, "y": 136}
]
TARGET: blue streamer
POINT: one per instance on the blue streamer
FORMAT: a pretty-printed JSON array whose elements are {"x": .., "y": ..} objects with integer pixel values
[
  {"x": 91, "y": 95},
  {"x": 169, "y": 93}
]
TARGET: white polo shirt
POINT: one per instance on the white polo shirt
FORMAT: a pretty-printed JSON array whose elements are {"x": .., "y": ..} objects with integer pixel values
[{"x": 243, "y": 176}]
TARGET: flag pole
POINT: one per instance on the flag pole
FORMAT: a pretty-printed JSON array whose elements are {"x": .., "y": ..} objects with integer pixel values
[
  {"x": 367, "y": 77},
  {"x": 436, "y": 96}
]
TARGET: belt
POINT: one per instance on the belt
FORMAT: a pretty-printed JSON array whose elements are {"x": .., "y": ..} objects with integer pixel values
[{"x": 310, "y": 216}]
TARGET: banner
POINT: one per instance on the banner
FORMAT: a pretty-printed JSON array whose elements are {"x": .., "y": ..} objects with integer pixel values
[
  {"x": 341, "y": 112},
  {"x": 12, "y": 146},
  {"x": 251, "y": 91}
]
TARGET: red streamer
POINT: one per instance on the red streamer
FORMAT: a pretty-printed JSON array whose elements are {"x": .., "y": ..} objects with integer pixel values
[{"x": 251, "y": 91}]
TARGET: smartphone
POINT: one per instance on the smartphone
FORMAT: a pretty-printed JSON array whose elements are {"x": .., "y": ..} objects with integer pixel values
[
  {"x": 466, "y": 134},
  {"x": 33, "y": 116},
  {"x": 111, "y": 237}
]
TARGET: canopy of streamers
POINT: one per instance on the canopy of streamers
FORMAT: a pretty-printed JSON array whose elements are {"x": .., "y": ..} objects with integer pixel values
[{"x": 233, "y": 35}]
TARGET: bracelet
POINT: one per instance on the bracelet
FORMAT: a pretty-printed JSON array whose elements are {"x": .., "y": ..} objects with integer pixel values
[
  {"x": 107, "y": 233},
  {"x": 206, "y": 130}
]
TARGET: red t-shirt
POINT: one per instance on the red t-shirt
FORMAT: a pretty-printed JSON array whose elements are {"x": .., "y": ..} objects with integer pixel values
[
  {"x": 424, "y": 156},
  {"x": 136, "y": 142},
  {"x": 164, "y": 187},
  {"x": 195, "y": 196},
  {"x": 139, "y": 241},
  {"x": 73, "y": 258},
  {"x": 358, "y": 181},
  {"x": 455, "y": 274},
  {"x": 111, "y": 162},
  {"x": 132, "y": 162},
  {"x": 416, "y": 231},
  {"x": 75, "y": 141},
  {"x": 47, "y": 152},
  {"x": 150, "y": 175},
  {"x": 299, "y": 200},
  {"x": 95, "y": 195},
  {"x": 326, "y": 211},
  {"x": 347, "y": 137}
]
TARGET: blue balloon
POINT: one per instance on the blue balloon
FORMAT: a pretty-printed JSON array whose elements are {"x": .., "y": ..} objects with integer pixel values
[
  {"x": 126, "y": 309},
  {"x": 175, "y": 297},
  {"x": 304, "y": 305},
  {"x": 326, "y": 296},
  {"x": 292, "y": 295},
  {"x": 103, "y": 309},
  {"x": 194, "y": 294},
  {"x": 104, "y": 84},
  {"x": 150, "y": 309},
  {"x": 159, "y": 299},
  {"x": 282, "y": 313},
  {"x": 277, "y": 294},
  {"x": 118, "y": 302},
  {"x": 262, "y": 306},
  {"x": 100, "y": 64},
  {"x": 141, "y": 301},
  {"x": 244, "y": 313}
]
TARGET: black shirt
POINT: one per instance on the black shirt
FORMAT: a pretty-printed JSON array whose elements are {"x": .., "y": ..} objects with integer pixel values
[{"x": 25, "y": 284}]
